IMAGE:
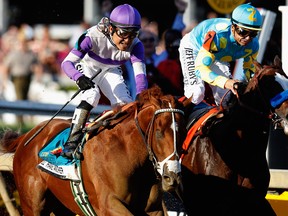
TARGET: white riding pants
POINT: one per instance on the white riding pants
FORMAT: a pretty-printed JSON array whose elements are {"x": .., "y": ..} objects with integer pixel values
[
  {"x": 112, "y": 84},
  {"x": 193, "y": 85}
]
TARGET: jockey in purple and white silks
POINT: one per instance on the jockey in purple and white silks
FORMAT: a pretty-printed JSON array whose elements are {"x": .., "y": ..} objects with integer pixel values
[
  {"x": 106, "y": 46},
  {"x": 206, "y": 51}
]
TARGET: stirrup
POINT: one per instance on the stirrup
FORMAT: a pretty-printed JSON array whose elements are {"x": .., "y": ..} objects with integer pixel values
[
  {"x": 70, "y": 151},
  {"x": 72, "y": 155}
]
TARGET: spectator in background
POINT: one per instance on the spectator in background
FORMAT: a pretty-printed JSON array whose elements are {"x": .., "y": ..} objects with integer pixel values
[
  {"x": 77, "y": 32},
  {"x": 48, "y": 51},
  {"x": 9, "y": 38},
  {"x": 170, "y": 73},
  {"x": 7, "y": 43},
  {"x": 106, "y": 7},
  {"x": 26, "y": 31},
  {"x": 178, "y": 24},
  {"x": 20, "y": 64},
  {"x": 150, "y": 40}
]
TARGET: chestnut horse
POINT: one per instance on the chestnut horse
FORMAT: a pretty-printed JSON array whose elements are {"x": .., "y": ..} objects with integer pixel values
[
  {"x": 224, "y": 167},
  {"x": 125, "y": 162}
]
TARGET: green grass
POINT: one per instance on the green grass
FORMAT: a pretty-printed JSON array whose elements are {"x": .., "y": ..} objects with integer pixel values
[{"x": 20, "y": 128}]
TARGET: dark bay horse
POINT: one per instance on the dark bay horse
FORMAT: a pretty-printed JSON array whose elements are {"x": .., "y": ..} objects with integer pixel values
[
  {"x": 224, "y": 167},
  {"x": 127, "y": 163}
]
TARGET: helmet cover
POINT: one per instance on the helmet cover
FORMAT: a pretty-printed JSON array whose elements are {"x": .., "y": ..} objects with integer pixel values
[
  {"x": 125, "y": 16},
  {"x": 247, "y": 16}
]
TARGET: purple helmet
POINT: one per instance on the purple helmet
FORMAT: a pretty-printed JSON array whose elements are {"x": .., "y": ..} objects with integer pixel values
[{"x": 125, "y": 16}]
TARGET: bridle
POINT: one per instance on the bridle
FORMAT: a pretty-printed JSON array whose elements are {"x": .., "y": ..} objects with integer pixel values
[{"x": 173, "y": 165}]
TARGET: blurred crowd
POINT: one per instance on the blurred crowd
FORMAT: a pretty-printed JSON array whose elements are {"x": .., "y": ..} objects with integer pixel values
[
  {"x": 29, "y": 58},
  {"x": 32, "y": 57}
]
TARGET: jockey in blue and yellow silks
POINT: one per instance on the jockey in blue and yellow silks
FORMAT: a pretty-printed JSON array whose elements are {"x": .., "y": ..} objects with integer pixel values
[{"x": 206, "y": 51}]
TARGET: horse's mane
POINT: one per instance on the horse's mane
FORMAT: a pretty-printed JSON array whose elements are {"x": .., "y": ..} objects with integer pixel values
[{"x": 266, "y": 70}]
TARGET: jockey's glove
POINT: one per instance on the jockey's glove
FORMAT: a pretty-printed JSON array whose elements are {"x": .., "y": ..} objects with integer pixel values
[{"x": 85, "y": 83}]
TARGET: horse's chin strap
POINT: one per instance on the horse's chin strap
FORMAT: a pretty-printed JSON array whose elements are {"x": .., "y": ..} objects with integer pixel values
[{"x": 173, "y": 166}]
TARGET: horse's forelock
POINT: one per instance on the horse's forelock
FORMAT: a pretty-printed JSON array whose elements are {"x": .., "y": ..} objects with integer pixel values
[
  {"x": 274, "y": 70},
  {"x": 261, "y": 71},
  {"x": 151, "y": 95},
  {"x": 168, "y": 100}
]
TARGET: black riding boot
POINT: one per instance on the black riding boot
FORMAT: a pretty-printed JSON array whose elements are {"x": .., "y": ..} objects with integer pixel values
[{"x": 80, "y": 116}]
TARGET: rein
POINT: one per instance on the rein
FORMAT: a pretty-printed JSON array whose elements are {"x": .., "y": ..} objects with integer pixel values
[
  {"x": 273, "y": 116},
  {"x": 147, "y": 137}
]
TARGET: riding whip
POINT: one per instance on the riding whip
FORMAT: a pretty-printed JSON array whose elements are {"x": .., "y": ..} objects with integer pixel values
[{"x": 73, "y": 96}]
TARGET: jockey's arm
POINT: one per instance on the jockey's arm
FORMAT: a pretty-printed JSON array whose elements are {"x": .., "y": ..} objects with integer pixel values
[
  {"x": 203, "y": 62},
  {"x": 75, "y": 56},
  {"x": 139, "y": 68}
]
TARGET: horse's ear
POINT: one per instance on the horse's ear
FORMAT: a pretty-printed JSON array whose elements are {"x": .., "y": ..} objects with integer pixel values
[
  {"x": 277, "y": 61},
  {"x": 278, "y": 64}
]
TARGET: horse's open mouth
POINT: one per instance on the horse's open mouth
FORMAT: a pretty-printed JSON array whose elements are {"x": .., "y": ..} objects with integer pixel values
[{"x": 171, "y": 181}]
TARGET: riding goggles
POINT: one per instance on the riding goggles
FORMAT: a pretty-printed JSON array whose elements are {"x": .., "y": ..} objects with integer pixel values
[
  {"x": 244, "y": 32},
  {"x": 126, "y": 33}
]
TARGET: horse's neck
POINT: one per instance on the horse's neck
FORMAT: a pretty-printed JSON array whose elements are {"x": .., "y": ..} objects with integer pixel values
[{"x": 250, "y": 126}]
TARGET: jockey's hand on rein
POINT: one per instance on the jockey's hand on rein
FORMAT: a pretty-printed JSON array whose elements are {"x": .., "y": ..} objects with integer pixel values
[
  {"x": 85, "y": 83},
  {"x": 236, "y": 85},
  {"x": 230, "y": 84},
  {"x": 239, "y": 87}
]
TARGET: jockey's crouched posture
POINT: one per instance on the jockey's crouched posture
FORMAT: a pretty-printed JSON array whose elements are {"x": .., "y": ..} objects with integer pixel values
[
  {"x": 206, "y": 51},
  {"x": 106, "y": 46}
]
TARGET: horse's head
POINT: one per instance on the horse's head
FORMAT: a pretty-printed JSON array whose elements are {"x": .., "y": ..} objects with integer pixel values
[
  {"x": 162, "y": 123},
  {"x": 271, "y": 84}
]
